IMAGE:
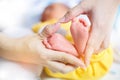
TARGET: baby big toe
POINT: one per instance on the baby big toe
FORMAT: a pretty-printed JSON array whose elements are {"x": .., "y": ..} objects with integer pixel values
[{"x": 84, "y": 23}]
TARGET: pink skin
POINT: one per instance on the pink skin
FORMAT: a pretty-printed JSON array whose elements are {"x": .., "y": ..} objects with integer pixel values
[
  {"x": 59, "y": 43},
  {"x": 56, "y": 41},
  {"x": 79, "y": 31}
]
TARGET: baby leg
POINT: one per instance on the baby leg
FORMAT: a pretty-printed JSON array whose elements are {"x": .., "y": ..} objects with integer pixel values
[
  {"x": 80, "y": 33},
  {"x": 48, "y": 32},
  {"x": 59, "y": 43}
]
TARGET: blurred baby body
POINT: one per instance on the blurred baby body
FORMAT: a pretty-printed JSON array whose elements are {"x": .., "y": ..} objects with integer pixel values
[{"x": 54, "y": 11}]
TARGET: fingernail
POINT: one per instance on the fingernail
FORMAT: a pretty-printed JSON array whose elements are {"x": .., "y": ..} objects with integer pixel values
[
  {"x": 87, "y": 63},
  {"x": 74, "y": 19},
  {"x": 61, "y": 20},
  {"x": 84, "y": 69},
  {"x": 82, "y": 66},
  {"x": 56, "y": 24}
]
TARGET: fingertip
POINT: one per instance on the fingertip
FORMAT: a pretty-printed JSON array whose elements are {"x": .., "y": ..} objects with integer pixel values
[
  {"x": 74, "y": 19},
  {"x": 88, "y": 54},
  {"x": 61, "y": 20},
  {"x": 81, "y": 64},
  {"x": 57, "y": 24},
  {"x": 64, "y": 20},
  {"x": 87, "y": 62},
  {"x": 84, "y": 67}
]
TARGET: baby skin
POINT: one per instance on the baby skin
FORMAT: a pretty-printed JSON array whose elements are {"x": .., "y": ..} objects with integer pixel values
[{"x": 80, "y": 32}]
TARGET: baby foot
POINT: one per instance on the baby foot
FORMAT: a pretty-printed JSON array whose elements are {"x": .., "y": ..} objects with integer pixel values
[
  {"x": 80, "y": 33},
  {"x": 48, "y": 31},
  {"x": 58, "y": 42}
]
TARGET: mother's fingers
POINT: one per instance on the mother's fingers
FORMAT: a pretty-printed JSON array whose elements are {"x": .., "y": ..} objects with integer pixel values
[
  {"x": 92, "y": 49},
  {"x": 105, "y": 44},
  {"x": 49, "y": 30},
  {"x": 59, "y": 67},
  {"x": 83, "y": 7},
  {"x": 94, "y": 43},
  {"x": 65, "y": 58},
  {"x": 88, "y": 53}
]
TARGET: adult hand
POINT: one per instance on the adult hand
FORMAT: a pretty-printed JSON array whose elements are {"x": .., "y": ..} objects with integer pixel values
[
  {"x": 30, "y": 49},
  {"x": 101, "y": 14},
  {"x": 59, "y": 60}
]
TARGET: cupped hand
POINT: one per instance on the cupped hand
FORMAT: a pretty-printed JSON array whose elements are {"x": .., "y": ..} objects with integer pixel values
[
  {"x": 101, "y": 14},
  {"x": 30, "y": 49},
  {"x": 58, "y": 61}
]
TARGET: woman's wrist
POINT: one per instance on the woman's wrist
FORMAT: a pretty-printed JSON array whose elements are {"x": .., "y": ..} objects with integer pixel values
[
  {"x": 17, "y": 50},
  {"x": 9, "y": 48},
  {"x": 7, "y": 44}
]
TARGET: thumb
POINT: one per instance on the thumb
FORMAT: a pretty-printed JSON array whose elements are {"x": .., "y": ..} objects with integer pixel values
[
  {"x": 49, "y": 30},
  {"x": 88, "y": 53},
  {"x": 83, "y": 7}
]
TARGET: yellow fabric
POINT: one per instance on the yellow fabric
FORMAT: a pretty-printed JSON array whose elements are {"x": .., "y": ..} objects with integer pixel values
[{"x": 99, "y": 64}]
